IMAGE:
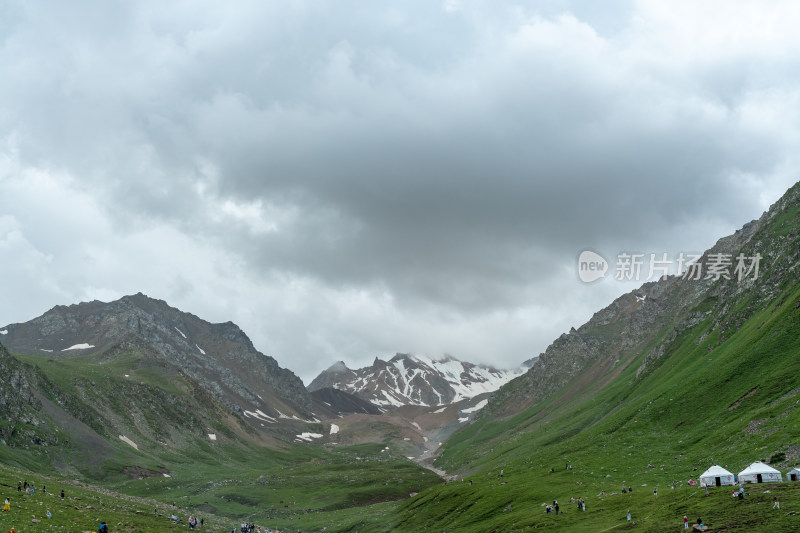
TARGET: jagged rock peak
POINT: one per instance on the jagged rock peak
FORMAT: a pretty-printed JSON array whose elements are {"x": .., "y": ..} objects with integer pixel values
[{"x": 338, "y": 366}]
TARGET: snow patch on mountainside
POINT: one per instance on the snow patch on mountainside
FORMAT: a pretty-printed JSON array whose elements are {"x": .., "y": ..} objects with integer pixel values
[
  {"x": 82, "y": 346},
  {"x": 308, "y": 436},
  {"x": 477, "y": 407},
  {"x": 258, "y": 414},
  {"x": 125, "y": 439}
]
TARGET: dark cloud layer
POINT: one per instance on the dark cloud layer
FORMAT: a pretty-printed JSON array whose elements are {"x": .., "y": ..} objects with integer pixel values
[{"x": 307, "y": 169}]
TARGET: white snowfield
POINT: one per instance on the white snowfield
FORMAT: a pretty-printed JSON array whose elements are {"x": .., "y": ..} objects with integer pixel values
[
  {"x": 334, "y": 429},
  {"x": 82, "y": 346},
  {"x": 465, "y": 379},
  {"x": 4, "y": 332},
  {"x": 179, "y": 331},
  {"x": 201, "y": 350}
]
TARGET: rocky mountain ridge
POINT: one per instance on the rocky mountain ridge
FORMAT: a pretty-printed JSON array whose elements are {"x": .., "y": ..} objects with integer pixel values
[
  {"x": 220, "y": 358},
  {"x": 647, "y": 320}
]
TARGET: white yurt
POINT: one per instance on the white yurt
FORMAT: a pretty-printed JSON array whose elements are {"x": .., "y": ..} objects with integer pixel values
[
  {"x": 793, "y": 474},
  {"x": 759, "y": 472},
  {"x": 716, "y": 476}
]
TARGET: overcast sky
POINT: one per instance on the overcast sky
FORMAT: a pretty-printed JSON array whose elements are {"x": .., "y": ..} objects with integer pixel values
[{"x": 346, "y": 180}]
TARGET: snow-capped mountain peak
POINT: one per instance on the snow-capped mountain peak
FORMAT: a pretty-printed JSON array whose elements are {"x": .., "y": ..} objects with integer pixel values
[{"x": 414, "y": 380}]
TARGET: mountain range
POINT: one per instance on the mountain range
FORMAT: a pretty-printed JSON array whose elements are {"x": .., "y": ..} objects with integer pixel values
[
  {"x": 414, "y": 380},
  {"x": 681, "y": 373}
]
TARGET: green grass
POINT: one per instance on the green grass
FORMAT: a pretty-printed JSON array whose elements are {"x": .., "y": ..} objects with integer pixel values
[{"x": 278, "y": 489}]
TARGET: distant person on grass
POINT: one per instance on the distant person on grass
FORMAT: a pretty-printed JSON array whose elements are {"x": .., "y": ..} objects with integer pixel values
[
  {"x": 7, "y": 505},
  {"x": 102, "y": 528},
  {"x": 775, "y": 503}
]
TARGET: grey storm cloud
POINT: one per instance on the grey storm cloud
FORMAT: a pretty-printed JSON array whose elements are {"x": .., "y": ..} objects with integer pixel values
[{"x": 449, "y": 159}]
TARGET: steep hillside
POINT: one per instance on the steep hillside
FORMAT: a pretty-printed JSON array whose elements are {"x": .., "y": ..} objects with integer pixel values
[
  {"x": 414, "y": 380},
  {"x": 111, "y": 390},
  {"x": 219, "y": 358},
  {"x": 650, "y": 318}
]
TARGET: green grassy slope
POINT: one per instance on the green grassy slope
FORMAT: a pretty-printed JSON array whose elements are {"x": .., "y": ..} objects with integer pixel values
[
  {"x": 732, "y": 405},
  {"x": 234, "y": 476}
]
